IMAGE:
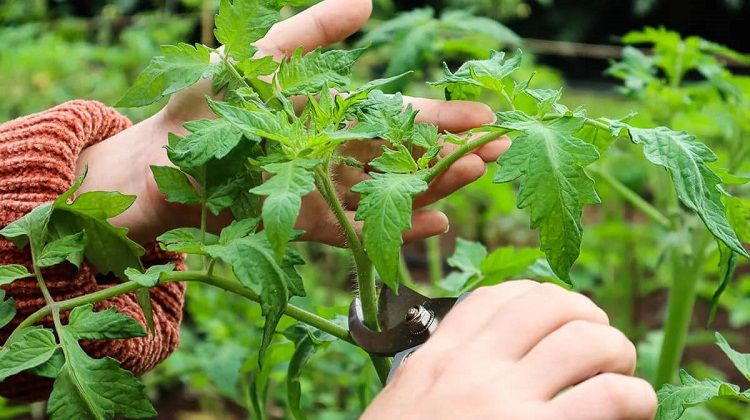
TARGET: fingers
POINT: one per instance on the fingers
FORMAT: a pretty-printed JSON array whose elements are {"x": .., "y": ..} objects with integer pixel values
[
  {"x": 325, "y": 23},
  {"x": 575, "y": 352},
  {"x": 524, "y": 321},
  {"x": 426, "y": 223},
  {"x": 607, "y": 396},
  {"x": 452, "y": 116}
]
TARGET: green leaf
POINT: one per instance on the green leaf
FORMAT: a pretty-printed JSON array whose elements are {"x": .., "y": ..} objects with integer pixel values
[
  {"x": 7, "y": 309},
  {"x": 674, "y": 399},
  {"x": 207, "y": 139},
  {"x": 468, "y": 256},
  {"x": 727, "y": 266},
  {"x": 399, "y": 161},
  {"x": 255, "y": 123},
  {"x": 242, "y": 22},
  {"x": 178, "y": 67},
  {"x": 108, "y": 248},
  {"x": 70, "y": 248},
  {"x": 253, "y": 68},
  {"x": 697, "y": 186},
  {"x": 473, "y": 76},
  {"x": 738, "y": 213},
  {"x": 31, "y": 227},
  {"x": 28, "y": 348},
  {"x": 253, "y": 263},
  {"x": 175, "y": 185},
  {"x": 386, "y": 210},
  {"x": 95, "y": 388},
  {"x": 85, "y": 324},
  {"x": 425, "y": 135},
  {"x": 284, "y": 191},
  {"x": 740, "y": 360},
  {"x": 555, "y": 186},
  {"x": 185, "y": 240},
  {"x": 151, "y": 277},
  {"x": 52, "y": 367},
  {"x": 506, "y": 262},
  {"x": 238, "y": 229},
  {"x": 388, "y": 113},
  {"x": 308, "y": 74},
  {"x": 12, "y": 272}
]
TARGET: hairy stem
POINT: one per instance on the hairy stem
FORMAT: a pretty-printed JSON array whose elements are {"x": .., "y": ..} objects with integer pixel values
[
  {"x": 196, "y": 276},
  {"x": 368, "y": 293},
  {"x": 633, "y": 198},
  {"x": 445, "y": 163}
]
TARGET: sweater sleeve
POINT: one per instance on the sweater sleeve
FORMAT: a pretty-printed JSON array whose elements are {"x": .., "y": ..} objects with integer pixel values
[{"x": 38, "y": 156}]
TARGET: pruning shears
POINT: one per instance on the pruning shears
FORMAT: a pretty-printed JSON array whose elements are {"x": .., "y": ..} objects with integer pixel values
[{"x": 406, "y": 319}]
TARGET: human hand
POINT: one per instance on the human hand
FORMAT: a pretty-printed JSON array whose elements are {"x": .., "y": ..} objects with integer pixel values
[
  {"x": 325, "y": 23},
  {"x": 520, "y": 350}
]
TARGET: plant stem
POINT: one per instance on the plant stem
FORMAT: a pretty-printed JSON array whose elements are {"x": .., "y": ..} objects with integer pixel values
[
  {"x": 434, "y": 259},
  {"x": 455, "y": 155},
  {"x": 633, "y": 198},
  {"x": 196, "y": 276},
  {"x": 368, "y": 293}
]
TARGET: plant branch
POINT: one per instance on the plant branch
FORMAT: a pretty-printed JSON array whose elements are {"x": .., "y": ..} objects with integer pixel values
[
  {"x": 196, "y": 276},
  {"x": 633, "y": 198},
  {"x": 365, "y": 274},
  {"x": 444, "y": 163}
]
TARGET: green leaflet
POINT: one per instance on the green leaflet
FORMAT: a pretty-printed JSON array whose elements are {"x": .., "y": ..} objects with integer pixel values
[
  {"x": 253, "y": 262},
  {"x": 473, "y": 76},
  {"x": 186, "y": 240},
  {"x": 674, "y": 399},
  {"x": 697, "y": 186},
  {"x": 386, "y": 210},
  {"x": 178, "y": 67},
  {"x": 740, "y": 360},
  {"x": 238, "y": 229},
  {"x": 151, "y": 277},
  {"x": 70, "y": 248},
  {"x": 12, "y": 272},
  {"x": 555, "y": 186},
  {"x": 284, "y": 191},
  {"x": 306, "y": 340},
  {"x": 31, "y": 227},
  {"x": 175, "y": 185},
  {"x": 388, "y": 113},
  {"x": 207, "y": 139},
  {"x": 108, "y": 248},
  {"x": 399, "y": 161},
  {"x": 242, "y": 22},
  {"x": 85, "y": 324},
  {"x": 727, "y": 267},
  {"x": 28, "y": 348},
  {"x": 88, "y": 388},
  {"x": 308, "y": 74},
  {"x": 738, "y": 213},
  {"x": 7, "y": 309},
  {"x": 255, "y": 123}
]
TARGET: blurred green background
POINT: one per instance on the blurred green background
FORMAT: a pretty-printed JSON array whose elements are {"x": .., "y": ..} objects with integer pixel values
[{"x": 57, "y": 50}]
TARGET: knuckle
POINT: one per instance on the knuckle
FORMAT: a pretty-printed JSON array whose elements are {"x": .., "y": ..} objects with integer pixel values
[{"x": 584, "y": 307}]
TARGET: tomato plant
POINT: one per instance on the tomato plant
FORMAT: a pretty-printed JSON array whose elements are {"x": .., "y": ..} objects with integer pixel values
[{"x": 260, "y": 156}]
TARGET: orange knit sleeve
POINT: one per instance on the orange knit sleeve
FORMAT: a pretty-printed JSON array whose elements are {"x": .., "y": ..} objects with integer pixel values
[{"x": 38, "y": 156}]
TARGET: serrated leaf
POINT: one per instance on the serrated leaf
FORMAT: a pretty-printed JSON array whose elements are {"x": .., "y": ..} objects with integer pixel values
[
  {"x": 388, "y": 113},
  {"x": 70, "y": 248},
  {"x": 253, "y": 123},
  {"x": 399, "y": 161},
  {"x": 27, "y": 349},
  {"x": 85, "y": 324},
  {"x": 51, "y": 368},
  {"x": 738, "y": 214},
  {"x": 468, "y": 256},
  {"x": 308, "y": 74},
  {"x": 253, "y": 68},
  {"x": 469, "y": 80},
  {"x": 108, "y": 248},
  {"x": 89, "y": 388},
  {"x": 208, "y": 139},
  {"x": 386, "y": 209},
  {"x": 697, "y": 186},
  {"x": 425, "y": 135},
  {"x": 186, "y": 240},
  {"x": 506, "y": 262},
  {"x": 284, "y": 191},
  {"x": 253, "y": 262},
  {"x": 178, "y": 67},
  {"x": 151, "y": 277},
  {"x": 555, "y": 186},
  {"x": 238, "y": 229},
  {"x": 674, "y": 399},
  {"x": 31, "y": 227},
  {"x": 740, "y": 360},
  {"x": 242, "y": 22},
  {"x": 12, "y": 272},
  {"x": 7, "y": 309},
  {"x": 175, "y": 185}
]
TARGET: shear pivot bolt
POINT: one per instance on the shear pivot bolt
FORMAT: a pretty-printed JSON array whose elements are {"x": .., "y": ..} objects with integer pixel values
[{"x": 420, "y": 320}]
